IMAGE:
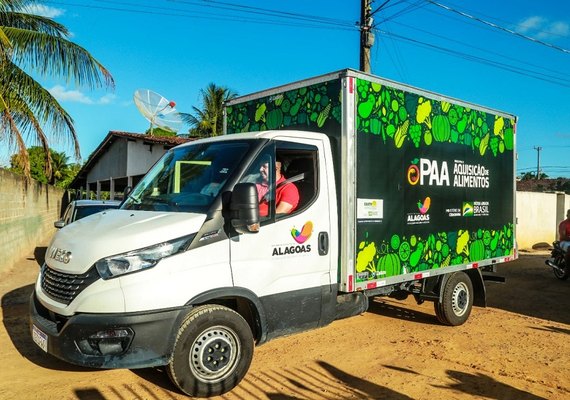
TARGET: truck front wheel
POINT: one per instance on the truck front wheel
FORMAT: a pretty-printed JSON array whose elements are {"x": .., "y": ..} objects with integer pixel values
[
  {"x": 456, "y": 300},
  {"x": 212, "y": 351}
]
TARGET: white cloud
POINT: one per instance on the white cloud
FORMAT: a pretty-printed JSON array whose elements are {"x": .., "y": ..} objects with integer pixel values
[
  {"x": 542, "y": 28},
  {"x": 107, "y": 99},
  {"x": 44, "y": 11},
  {"x": 530, "y": 24},
  {"x": 559, "y": 28},
  {"x": 76, "y": 96}
]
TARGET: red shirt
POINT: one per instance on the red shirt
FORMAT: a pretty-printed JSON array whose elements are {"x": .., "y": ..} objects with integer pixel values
[{"x": 287, "y": 193}]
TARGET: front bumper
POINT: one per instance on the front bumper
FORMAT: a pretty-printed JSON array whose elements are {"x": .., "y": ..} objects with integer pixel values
[{"x": 150, "y": 341}]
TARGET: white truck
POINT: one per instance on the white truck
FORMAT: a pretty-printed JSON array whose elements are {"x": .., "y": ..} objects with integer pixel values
[{"x": 401, "y": 192}]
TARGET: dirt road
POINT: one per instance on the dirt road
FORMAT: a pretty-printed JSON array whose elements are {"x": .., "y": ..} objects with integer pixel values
[{"x": 517, "y": 348}]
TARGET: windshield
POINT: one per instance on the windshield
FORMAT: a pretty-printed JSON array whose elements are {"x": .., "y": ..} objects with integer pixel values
[
  {"x": 187, "y": 179},
  {"x": 84, "y": 211}
]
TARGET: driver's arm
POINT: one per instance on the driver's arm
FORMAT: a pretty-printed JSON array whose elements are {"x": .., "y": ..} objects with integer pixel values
[{"x": 283, "y": 208}]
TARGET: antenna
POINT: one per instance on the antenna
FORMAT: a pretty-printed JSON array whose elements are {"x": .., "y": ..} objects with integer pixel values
[{"x": 157, "y": 110}]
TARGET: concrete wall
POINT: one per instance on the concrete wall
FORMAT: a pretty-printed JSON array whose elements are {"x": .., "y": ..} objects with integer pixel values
[
  {"x": 27, "y": 213},
  {"x": 538, "y": 216}
]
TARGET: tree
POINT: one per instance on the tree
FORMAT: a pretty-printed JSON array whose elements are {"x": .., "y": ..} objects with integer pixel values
[
  {"x": 157, "y": 131},
  {"x": 62, "y": 175},
  {"x": 208, "y": 120},
  {"x": 531, "y": 175},
  {"x": 39, "y": 45},
  {"x": 59, "y": 166}
]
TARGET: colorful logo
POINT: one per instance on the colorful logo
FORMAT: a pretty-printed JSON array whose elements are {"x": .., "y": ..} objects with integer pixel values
[
  {"x": 304, "y": 235},
  {"x": 467, "y": 210},
  {"x": 413, "y": 174},
  {"x": 424, "y": 207}
]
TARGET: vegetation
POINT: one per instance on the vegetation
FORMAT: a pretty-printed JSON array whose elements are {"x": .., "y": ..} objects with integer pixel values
[
  {"x": 62, "y": 175},
  {"x": 531, "y": 175},
  {"x": 208, "y": 120},
  {"x": 32, "y": 44},
  {"x": 156, "y": 131}
]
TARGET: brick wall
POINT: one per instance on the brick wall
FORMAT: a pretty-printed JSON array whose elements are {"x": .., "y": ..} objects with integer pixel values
[{"x": 27, "y": 213}]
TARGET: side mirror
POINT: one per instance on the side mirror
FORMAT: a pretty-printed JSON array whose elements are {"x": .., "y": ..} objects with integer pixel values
[
  {"x": 59, "y": 224},
  {"x": 244, "y": 208}
]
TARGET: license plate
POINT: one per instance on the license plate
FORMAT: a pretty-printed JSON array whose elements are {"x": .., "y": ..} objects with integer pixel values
[{"x": 40, "y": 338}]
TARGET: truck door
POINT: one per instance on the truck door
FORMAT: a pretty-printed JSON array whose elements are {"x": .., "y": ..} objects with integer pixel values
[{"x": 287, "y": 264}]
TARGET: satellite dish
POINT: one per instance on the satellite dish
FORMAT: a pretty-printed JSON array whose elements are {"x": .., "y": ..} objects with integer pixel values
[{"x": 157, "y": 110}]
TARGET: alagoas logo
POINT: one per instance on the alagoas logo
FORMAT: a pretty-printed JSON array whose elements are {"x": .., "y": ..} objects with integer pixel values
[
  {"x": 304, "y": 235},
  {"x": 424, "y": 207},
  {"x": 422, "y": 217},
  {"x": 300, "y": 237}
]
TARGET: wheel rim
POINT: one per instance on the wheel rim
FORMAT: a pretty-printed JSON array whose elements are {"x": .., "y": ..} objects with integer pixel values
[
  {"x": 214, "y": 354},
  {"x": 460, "y": 299}
]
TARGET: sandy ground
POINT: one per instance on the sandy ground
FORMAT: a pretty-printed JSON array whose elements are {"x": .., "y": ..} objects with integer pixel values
[{"x": 516, "y": 348}]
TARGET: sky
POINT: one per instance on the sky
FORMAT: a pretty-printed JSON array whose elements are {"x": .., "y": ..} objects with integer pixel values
[{"x": 508, "y": 55}]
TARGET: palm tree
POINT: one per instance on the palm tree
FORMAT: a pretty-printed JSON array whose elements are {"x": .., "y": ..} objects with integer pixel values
[
  {"x": 39, "y": 45},
  {"x": 208, "y": 121},
  {"x": 59, "y": 165}
]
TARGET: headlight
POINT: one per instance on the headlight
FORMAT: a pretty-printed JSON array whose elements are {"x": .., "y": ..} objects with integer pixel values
[{"x": 140, "y": 259}]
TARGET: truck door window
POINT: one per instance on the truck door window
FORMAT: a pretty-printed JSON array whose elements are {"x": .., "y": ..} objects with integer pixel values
[{"x": 286, "y": 182}]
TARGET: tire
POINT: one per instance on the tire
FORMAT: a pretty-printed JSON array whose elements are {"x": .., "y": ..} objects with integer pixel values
[
  {"x": 439, "y": 313},
  {"x": 212, "y": 351},
  {"x": 562, "y": 275},
  {"x": 456, "y": 301}
]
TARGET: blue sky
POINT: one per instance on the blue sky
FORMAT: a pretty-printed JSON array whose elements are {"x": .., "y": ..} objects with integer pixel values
[{"x": 178, "y": 47}]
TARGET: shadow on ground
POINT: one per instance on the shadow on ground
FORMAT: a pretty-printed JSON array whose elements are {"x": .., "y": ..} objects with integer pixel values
[{"x": 531, "y": 289}]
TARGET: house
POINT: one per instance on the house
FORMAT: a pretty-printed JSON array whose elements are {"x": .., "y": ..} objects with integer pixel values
[{"x": 120, "y": 161}]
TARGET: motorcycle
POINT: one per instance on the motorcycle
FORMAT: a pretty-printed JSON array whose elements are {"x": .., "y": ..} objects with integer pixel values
[{"x": 558, "y": 263}]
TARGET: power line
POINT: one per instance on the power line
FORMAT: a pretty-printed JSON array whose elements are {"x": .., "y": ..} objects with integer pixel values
[
  {"x": 493, "y": 25},
  {"x": 481, "y": 60},
  {"x": 184, "y": 13},
  {"x": 311, "y": 21},
  {"x": 263, "y": 11},
  {"x": 562, "y": 76}
]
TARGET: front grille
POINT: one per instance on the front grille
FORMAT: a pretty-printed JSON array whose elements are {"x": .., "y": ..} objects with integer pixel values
[{"x": 65, "y": 287}]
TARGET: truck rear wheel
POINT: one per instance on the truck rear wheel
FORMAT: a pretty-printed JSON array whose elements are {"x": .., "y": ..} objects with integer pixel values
[
  {"x": 212, "y": 351},
  {"x": 456, "y": 301}
]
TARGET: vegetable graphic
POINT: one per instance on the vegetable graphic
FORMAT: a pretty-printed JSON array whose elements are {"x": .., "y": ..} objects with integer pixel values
[
  {"x": 390, "y": 264},
  {"x": 404, "y": 251},
  {"x": 462, "y": 242},
  {"x": 423, "y": 111},
  {"x": 484, "y": 144},
  {"x": 499, "y": 125},
  {"x": 274, "y": 118},
  {"x": 441, "y": 128},
  {"x": 365, "y": 257},
  {"x": 401, "y": 134},
  {"x": 477, "y": 250},
  {"x": 260, "y": 111},
  {"x": 416, "y": 255}
]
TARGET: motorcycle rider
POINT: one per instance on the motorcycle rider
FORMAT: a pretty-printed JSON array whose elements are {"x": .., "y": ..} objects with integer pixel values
[{"x": 564, "y": 233}]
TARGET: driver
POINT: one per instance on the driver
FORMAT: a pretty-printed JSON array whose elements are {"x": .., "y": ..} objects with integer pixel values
[{"x": 286, "y": 194}]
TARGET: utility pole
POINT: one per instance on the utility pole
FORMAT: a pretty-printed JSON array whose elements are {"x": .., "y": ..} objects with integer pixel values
[
  {"x": 366, "y": 35},
  {"x": 538, "y": 161}
]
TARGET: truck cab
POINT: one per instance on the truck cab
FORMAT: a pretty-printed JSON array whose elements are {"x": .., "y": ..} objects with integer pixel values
[{"x": 189, "y": 241}]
